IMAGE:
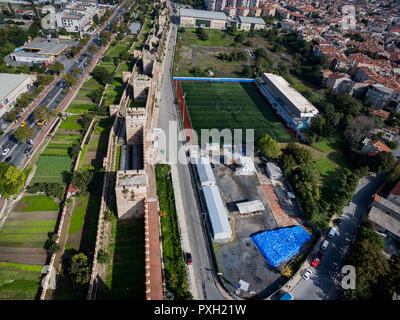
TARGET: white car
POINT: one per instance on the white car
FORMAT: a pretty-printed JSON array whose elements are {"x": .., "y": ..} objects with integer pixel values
[
  {"x": 3, "y": 126},
  {"x": 307, "y": 274},
  {"x": 5, "y": 151}
]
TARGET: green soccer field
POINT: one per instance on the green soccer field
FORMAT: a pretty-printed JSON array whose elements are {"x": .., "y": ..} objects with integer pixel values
[{"x": 231, "y": 105}]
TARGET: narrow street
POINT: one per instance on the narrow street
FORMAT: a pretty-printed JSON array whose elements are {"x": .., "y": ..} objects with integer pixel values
[{"x": 322, "y": 284}]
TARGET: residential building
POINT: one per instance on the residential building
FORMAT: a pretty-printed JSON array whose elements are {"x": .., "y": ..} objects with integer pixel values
[
  {"x": 250, "y": 23},
  {"x": 380, "y": 95}
]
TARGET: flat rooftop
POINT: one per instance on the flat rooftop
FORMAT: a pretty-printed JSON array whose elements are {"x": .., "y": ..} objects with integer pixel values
[
  {"x": 251, "y": 20},
  {"x": 9, "y": 82},
  {"x": 51, "y": 47},
  {"x": 299, "y": 102},
  {"x": 183, "y": 12}
]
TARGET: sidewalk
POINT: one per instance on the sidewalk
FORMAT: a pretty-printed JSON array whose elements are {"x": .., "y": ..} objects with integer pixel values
[{"x": 184, "y": 234}]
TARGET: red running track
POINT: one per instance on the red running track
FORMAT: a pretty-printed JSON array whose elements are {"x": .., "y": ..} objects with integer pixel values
[{"x": 184, "y": 112}]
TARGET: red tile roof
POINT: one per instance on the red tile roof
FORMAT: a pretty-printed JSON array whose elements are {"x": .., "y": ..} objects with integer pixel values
[
  {"x": 381, "y": 113},
  {"x": 380, "y": 146}
]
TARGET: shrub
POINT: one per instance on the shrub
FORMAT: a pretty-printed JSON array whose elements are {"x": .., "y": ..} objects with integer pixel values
[{"x": 103, "y": 256}]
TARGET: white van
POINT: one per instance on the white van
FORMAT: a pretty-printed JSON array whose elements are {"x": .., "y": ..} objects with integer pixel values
[
  {"x": 325, "y": 245},
  {"x": 332, "y": 232}
]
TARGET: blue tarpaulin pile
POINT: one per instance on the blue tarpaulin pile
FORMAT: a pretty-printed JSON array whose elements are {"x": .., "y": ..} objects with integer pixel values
[{"x": 279, "y": 245}]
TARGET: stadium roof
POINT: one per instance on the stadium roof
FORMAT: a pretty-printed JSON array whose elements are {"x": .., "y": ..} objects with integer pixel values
[
  {"x": 9, "y": 82},
  {"x": 217, "y": 213},
  {"x": 305, "y": 108},
  {"x": 183, "y": 12},
  {"x": 51, "y": 47},
  {"x": 251, "y": 20}
]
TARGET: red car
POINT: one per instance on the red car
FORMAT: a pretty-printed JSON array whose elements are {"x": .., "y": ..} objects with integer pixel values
[
  {"x": 188, "y": 258},
  {"x": 315, "y": 262}
]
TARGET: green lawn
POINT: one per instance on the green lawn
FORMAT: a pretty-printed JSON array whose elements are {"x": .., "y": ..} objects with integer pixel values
[
  {"x": 174, "y": 265},
  {"x": 39, "y": 203},
  {"x": 215, "y": 38},
  {"x": 78, "y": 215},
  {"x": 324, "y": 145},
  {"x": 114, "y": 92},
  {"x": 325, "y": 166},
  {"x": 71, "y": 123},
  {"x": 19, "y": 281},
  {"x": 78, "y": 107},
  {"x": 231, "y": 105},
  {"x": 51, "y": 169},
  {"x": 126, "y": 274}
]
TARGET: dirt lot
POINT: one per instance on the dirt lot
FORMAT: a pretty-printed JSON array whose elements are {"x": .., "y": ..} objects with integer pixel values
[{"x": 240, "y": 259}]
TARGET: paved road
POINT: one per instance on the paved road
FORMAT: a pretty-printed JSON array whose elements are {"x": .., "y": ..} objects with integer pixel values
[
  {"x": 52, "y": 100},
  {"x": 201, "y": 263},
  {"x": 321, "y": 285}
]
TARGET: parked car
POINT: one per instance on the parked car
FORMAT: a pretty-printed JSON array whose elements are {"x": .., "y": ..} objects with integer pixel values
[
  {"x": 332, "y": 232},
  {"x": 23, "y": 123},
  {"x": 325, "y": 245},
  {"x": 188, "y": 258},
  {"x": 3, "y": 126},
  {"x": 28, "y": 152},
  {"x": 307, "y": 274},
  {"x": 5, "y": 151},
  {"x": 315, "y": 262}
]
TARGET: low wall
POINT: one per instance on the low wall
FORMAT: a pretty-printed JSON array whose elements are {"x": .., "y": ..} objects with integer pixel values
[
  {"x": 103, "y": 205},
  {"x": 83, "y": 142},
  {"x": 214, "y": 79},
  {"x": 50, "y": 269}
]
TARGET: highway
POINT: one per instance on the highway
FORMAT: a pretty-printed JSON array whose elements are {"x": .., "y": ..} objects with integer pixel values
[
  {"x": 52, "y": 100},
  {"x": 202, "y": 267}
]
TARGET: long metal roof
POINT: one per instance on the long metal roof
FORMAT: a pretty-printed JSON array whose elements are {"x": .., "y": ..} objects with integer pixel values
[
  {"x": 384, "y": 220},
  {"x": 217, "y": 213},
  {"x": 251, "y": 20},
  {"x": 216, "y": 15},
  {"x": 204, "y": 169}
]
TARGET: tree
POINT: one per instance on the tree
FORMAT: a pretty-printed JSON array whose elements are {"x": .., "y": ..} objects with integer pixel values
[
  {"x": 11, "y": 10},
  {"x": 74, "y": 51},
  {"x": 105, "y": 37},
  {"x": 76, "y": 71},
  {"x": 231, "y": 30},
  {"x": 384, "y": 161},
  {"x": 74, "y": 150},
  {"x": 96, "y": 20},
  {"x": 269, "y": 146},
  {"x": 103, "y": 256},
  {"x": 11, "y": 116},
  {"x": 102, "y": 75},
  {"x": 370, "y": 235},
  {"x": 301, "y": 155},
  {"x": 22, "y": 134},
  {"x": 41, "y": 113},
  {"x": 92, "y": 49},
  {"x": 57, "y": 67},
  {"x": 81, "y": 179},
  {"x": 23, "y": 100},
  {"x": 240, "y": 37},
  {"x": 12, "y": 180},
  {"x": 79, "y": 270},
  {"x": 45, "y": 79},
  {"x": 69, "y": 80},
  {"x": 359, "y": 128}
]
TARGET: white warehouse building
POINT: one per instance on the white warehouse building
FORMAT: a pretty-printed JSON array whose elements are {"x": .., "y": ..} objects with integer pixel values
[
  {"x": 205, "y": 172},
  {"x": 12, "y": 86},
  {"x": 217, "y": 213}
]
